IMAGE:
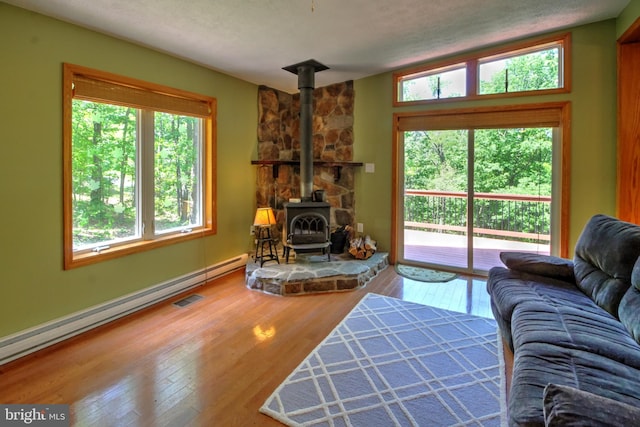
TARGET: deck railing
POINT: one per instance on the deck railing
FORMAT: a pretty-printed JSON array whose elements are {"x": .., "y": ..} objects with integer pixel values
[{"x": 510, "y": 216}]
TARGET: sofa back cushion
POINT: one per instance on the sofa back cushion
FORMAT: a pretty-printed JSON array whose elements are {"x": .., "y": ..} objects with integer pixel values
[
  {"x": 630, "y": 305},
  {"x": 604, "y": 258}
]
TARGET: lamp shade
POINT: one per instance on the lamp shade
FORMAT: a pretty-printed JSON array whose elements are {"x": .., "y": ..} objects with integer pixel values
[{"x": 264, "y": 216}]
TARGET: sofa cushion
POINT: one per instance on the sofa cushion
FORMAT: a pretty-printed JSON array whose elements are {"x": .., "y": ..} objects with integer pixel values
[
  {"x": 543, "y": 265},
  {"x": 604, "y": 258},
  {"x": 538, "y": 364},
  {"x": 629, "y": 310},
  {"x": 568, "y": 406},
  {"x": 510, "y": 288},
  {"x": 567, "y": 325}
]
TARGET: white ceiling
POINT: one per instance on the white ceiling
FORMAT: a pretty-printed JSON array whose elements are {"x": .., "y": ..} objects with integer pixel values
[{"x": 254, "y": 39}]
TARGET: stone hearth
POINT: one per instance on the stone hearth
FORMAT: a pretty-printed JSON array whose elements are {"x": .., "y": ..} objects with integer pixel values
[{"x": 311, "y": 274}]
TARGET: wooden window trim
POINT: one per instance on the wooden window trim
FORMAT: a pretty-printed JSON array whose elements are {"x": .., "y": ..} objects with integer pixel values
[
  {"x": 175, "y": 101},
  {"x": 472, "y": 61},
  {"x": 628, "y": 125}
]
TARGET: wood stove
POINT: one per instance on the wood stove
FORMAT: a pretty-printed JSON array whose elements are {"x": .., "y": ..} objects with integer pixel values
[
  {"x": 306, "y": 227},
  {"x": 316, "y": 232}
]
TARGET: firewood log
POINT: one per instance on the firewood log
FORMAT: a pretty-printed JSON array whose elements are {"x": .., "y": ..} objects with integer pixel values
[
  {"x": 362, "y": 247},
  {"x": 369, "y": 243},
  {"x": 354, "y": 246}
]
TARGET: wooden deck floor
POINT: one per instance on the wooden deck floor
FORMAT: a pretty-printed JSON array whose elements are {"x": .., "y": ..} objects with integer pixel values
[
  {"x": 451, "y": 251},
  {"x": 211, "y": 363}
]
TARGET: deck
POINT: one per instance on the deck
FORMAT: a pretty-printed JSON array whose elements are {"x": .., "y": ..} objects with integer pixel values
[{"x": 451, "y": 250}]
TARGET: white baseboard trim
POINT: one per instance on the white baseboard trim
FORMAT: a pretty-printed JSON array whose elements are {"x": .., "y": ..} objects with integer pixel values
[{"x": 33, "y": 339}]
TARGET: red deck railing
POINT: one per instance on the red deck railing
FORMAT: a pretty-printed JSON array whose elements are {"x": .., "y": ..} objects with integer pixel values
[{"x": 513, "y": 216}]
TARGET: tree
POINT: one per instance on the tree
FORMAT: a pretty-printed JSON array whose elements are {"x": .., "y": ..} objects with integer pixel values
[
  {"x": 436, "y": 160},
  {"x": 176, "y": 179},
  {"x": 533, "y": 71},
  {"x": 103, "y": 146}
]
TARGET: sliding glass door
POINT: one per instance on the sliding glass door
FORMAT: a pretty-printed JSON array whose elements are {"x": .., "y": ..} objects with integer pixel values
[{"x": 468, "y": 194}]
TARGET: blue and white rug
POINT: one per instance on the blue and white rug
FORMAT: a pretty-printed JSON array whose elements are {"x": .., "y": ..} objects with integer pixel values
[{"x": 397, "y": 363}]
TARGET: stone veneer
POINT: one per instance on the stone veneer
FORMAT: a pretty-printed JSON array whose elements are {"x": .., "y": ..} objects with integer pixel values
[
  {"x": 314, "y": 274},
  {"x": 278, "y": 139}
]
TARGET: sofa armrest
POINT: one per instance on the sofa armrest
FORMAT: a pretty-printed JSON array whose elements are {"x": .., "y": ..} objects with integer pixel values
[
  {"x": 568, "y": 406},
  {"x": 541, "y": 265}
]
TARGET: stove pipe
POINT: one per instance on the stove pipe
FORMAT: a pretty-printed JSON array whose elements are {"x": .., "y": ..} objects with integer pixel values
[{"x": 306, "y": 81}]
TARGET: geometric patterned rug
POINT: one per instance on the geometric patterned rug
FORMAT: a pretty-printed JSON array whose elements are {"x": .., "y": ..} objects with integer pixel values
[{"x": 397, "y": 363}]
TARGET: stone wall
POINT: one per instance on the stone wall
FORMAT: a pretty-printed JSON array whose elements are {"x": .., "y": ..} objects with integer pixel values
[{"x": 278, "y": 139}]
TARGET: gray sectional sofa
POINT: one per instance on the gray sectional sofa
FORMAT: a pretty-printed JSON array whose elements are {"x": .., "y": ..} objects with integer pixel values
[{"x": 574, "y": 328}]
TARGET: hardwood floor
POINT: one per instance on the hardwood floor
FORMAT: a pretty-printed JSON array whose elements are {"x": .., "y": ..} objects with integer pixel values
[{"x": 212, "y": 363}]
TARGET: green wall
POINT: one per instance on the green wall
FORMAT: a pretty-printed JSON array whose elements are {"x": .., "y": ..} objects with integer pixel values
[
  {"x": 627, "y": 17},
  {"x": 593, "y": 144},
  {"x": 35, "y": 288}
]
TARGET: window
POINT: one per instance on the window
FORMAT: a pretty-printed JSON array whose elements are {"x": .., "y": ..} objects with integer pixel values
[
  {"x": 541, "y": 65},
  {"x": 138, "y": 165},
  {"x": 435, "y": 84},
  {"x": 532, "y": 70}
]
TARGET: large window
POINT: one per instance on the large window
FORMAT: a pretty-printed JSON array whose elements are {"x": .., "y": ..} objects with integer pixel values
[
  {"x": 139, "y": 165},
  {"x": 540, "y": 65}
]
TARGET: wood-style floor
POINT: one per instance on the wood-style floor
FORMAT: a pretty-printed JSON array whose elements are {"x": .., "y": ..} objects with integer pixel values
[{"x": 212, "y": 363}]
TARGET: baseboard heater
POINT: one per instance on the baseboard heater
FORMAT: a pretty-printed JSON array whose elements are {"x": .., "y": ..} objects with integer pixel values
[{"x": 28, "y": 341}]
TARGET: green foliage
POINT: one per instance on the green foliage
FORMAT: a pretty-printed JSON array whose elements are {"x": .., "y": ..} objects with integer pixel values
[
  {"x": 507, "y": 161},
  {"x": 513, "y": 161},
  {"x": 434, "y": 159},
  {"x": 176, "y": 166},
  {"x": 533, "y": 71},
  {"x": 103, "y": 155},
  {"x": 104, "y": 176}
]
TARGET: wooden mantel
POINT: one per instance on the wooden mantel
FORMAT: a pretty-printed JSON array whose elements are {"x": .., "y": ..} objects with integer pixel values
[{"x": 336, "y": 165}]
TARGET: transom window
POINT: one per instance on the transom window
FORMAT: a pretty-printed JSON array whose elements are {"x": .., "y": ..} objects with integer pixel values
[
  {"x": 449, "y": 82},
  {"x": 541, "y": 65},
  {"x": 138, "y": 161},
  {"x": 527, "y": 70}
]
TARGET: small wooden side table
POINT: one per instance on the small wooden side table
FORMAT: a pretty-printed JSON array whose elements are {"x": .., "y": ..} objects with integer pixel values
[{"x": 264, "y": 238}]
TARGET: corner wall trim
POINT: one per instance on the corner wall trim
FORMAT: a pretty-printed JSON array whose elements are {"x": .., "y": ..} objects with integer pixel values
[{"x": 31, "y": 340}]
